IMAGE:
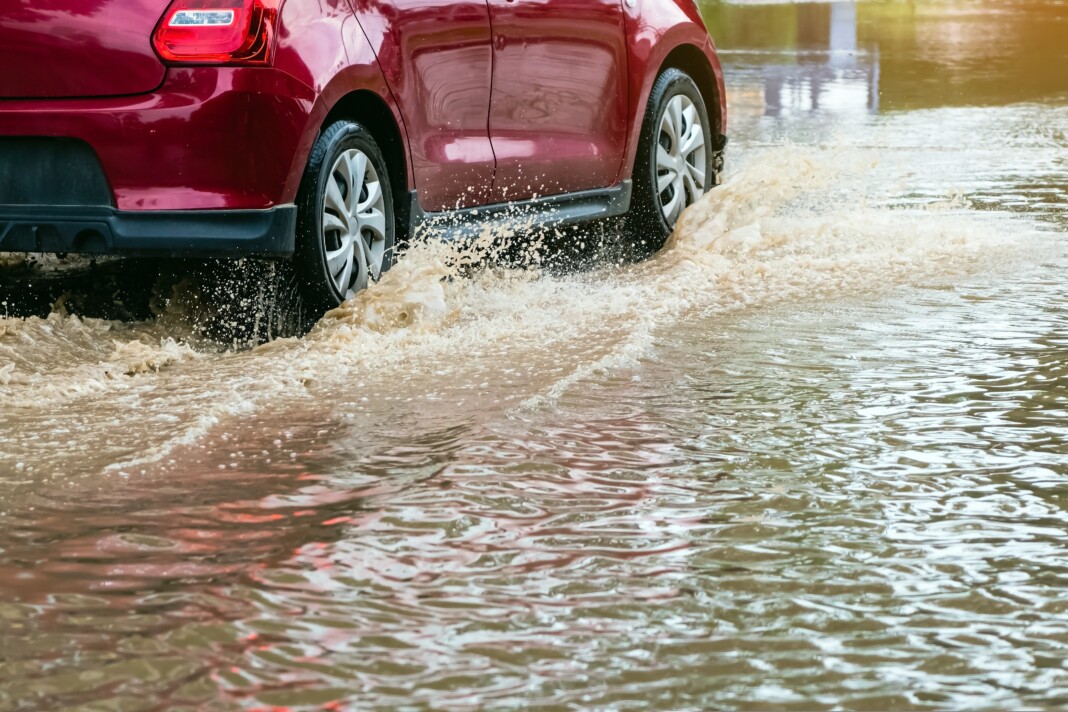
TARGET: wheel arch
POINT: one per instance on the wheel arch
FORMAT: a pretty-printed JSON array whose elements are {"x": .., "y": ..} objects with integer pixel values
[
  {"x": 371, "y": 111},
  {"x": 368, "y": 109},
  {"x": 693, "y": 61},
  {"x": 684, "y": 45}
]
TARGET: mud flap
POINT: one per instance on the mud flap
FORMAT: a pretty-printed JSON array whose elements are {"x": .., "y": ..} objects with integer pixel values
[{"x": 719, "y": 151}]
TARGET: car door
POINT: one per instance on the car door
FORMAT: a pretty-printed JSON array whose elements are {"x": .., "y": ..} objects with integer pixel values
[
  {"x": 558, "y": 114},
  {"x": 437, "y": 59}
]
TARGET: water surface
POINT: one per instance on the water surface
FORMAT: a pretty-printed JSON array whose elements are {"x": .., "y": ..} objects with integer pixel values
[{"x": 813, "y": 456}]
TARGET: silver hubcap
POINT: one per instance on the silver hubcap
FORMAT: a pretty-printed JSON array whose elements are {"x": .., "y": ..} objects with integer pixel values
[
  {"x": 354, "y": 223},
  {"x": 681, "y": 159}
]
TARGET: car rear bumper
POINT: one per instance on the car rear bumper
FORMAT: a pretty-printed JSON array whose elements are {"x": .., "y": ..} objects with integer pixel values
[
  {"x": 174, "y": 233},
  {"x": 210, "y": 138}
]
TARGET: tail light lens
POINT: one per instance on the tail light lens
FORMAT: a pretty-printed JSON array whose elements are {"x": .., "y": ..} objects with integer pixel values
[{"x": 218, "y": 31}]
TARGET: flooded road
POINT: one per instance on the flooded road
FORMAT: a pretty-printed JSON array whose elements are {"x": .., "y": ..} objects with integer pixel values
[{"x": 812, "y": 456}]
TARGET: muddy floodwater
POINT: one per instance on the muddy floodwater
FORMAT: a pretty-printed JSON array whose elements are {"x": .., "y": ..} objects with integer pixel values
[{"x": 812, "y": 456}]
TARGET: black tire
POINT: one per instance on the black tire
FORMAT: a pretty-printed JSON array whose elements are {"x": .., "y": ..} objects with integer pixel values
[
  {"x": 315, "y": 282},
  {"x": 646, "y": 228}
]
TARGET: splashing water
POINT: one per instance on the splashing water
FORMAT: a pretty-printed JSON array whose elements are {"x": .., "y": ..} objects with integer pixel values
[{"x": 790, "y": 224}]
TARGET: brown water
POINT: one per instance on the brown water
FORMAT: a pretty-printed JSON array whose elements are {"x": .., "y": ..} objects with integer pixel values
[{"x": 812, "y": 456}]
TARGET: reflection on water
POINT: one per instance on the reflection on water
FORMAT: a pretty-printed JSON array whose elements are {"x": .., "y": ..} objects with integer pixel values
[
  {"x": 813, "y": 456},
  {"x": 807, "y": 56},
  {"x": 890, "y": 56},
  {"x": 913, "y": 75}
]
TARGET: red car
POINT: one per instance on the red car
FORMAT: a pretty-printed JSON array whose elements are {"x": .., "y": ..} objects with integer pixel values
[{"x": 327, "y": 131}]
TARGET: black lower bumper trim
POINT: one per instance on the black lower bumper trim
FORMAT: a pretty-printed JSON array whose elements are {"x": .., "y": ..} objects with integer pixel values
[{"x": 176, "y": 233}]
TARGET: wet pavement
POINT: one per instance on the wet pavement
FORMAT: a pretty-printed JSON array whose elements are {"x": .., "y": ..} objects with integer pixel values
[{"x": 813, "y": 456}]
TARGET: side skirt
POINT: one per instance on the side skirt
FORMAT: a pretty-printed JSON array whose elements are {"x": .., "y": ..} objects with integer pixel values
[{"x": 554, "y": 211}]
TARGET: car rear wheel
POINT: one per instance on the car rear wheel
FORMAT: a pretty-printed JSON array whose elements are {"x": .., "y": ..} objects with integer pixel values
[
  {"x": 346, "y": 225},
  {"x": 674, "y": 165}
]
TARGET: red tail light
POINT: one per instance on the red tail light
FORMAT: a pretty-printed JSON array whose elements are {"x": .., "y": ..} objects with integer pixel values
[{"x": 218, "y": 31}]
